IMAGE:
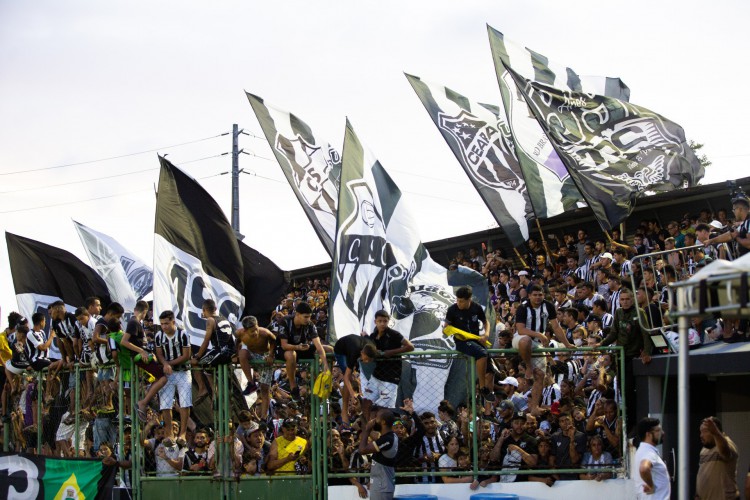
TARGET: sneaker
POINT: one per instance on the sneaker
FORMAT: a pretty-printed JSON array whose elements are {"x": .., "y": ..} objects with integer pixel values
[
  {"x": 250, "y": 388},
  {"x": 295, "y": 393},
  {"x": 488, "y": 395}
]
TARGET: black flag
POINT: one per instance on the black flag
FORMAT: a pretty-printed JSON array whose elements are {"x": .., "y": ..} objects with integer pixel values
[
  {"x": 615, "y": 151},
  {"x": 265, "y": 284},
  {"x": 43, "y": 274},
  {"x": 196, "y": 254}
]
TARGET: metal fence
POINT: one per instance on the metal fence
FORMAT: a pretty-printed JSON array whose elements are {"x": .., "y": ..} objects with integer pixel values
[{"x": 79, "y": 411}]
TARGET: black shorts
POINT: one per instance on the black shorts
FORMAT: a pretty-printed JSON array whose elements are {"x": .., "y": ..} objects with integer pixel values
[
  {"x": 216, "y": 357},
  {"x": 40, "y": 364}
]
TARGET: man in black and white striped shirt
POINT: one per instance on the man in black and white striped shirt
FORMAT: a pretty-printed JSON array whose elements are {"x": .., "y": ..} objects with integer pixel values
[
  {"x": 432, "y": 446},
  {"x": 173, "y": 353},
  {"x": 532, "y": 319}
]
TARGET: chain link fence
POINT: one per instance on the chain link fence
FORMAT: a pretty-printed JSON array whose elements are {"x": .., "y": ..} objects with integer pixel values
[{"x": 206, "y": 423}]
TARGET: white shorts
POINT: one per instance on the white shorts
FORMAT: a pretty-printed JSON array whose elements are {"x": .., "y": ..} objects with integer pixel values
[
  {"x": 12, "y": 369},
  {"x": 382, "y": 394},
  {"x": 538, "y": 362},
  {"x": 182, "y": 382}
]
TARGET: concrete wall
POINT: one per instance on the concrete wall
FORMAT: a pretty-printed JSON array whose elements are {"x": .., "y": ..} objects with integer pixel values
[{"x": 613, "y": 489}]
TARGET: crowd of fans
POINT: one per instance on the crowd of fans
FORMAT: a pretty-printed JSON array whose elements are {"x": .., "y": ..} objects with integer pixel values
[{"x": 576, "y": 422}]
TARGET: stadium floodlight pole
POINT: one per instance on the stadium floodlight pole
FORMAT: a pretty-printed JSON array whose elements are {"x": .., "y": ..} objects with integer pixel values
[{"x": 236, "y": 131}]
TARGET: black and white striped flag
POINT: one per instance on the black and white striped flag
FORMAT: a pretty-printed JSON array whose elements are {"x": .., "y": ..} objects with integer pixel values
[
  {"x": 615, "y": 151},
  {"x": 381, "y": 263},
  {"x": 127, "y": 277},
  {"x": 550, "y": 187},
  {"x": 196, "y": 254},
  {"x": 480, "y": 138},
  {"x": 43, "y": 274},
  {"x": 311, "y": 165}
]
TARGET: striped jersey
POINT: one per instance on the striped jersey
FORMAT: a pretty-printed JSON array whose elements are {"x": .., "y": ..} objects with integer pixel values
[
  {"x": 172, "y": 345},
  {"x": 33, "y": 340},
  {"x": 536, "y": 319},
  {"x": 614, "y": 301},
  {"x": 65, "y": 328}
]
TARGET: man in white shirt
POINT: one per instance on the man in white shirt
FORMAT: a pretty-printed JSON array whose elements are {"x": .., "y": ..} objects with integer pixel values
[{"x": 652, "y": 480}]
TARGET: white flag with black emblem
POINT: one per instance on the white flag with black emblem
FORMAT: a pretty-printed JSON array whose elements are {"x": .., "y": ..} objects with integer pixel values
[
  {"x": 480, "y": 138},
  {"x": 550, "y": 187},
  {"x": 196, "y": 254},
  {"x": 614, "y": 150},
  {"x": 311, "y": 165},
  {"x": 127, "y": 277},
  {"x": 381, "y": 263}
]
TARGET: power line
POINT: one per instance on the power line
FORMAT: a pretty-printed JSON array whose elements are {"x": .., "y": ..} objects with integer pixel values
[
  {"x": 115, "y": 157},
  {"x": 94, "y": 179},
  {"x": 29, "y": 208}
]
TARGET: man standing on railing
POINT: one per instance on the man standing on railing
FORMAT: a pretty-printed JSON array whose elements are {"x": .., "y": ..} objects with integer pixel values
[
  {"x": 173, "y": 353},
  {"x": 348, "y": 351},
  {"x": 259, "y": 344},
  {"x": 532, "y": 319},
  {"x": 382, "y": 387},
  {"x": 469, "y": 316}
]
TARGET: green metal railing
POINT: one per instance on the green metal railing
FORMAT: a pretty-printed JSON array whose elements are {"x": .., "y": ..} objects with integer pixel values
[{"x": 226, "y": 482}]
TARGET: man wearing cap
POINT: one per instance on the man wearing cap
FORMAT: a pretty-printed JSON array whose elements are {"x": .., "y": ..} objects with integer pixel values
[
  {"x": 510, "y": 387},
  {"x": 257, "y": 449},
  {"x": 515, "y": 449},
  {"x": 286, "y": 449},
  {"x": 737, "y": 235}
]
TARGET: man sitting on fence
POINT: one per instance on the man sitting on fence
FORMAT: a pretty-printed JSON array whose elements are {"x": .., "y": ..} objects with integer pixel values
[{"x": 218, "y": 345}]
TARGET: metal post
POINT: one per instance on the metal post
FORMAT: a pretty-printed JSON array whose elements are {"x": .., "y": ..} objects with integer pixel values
[
  {"x": 683, "y": 400},
  {"x": 39, "y": 414},
  {"x": 77, "y": 428},
  {"x": 473, "y": 398},
  {"x": 136, "y": 446},
  {"x": 121, "y": 422},
  {"x": 235, "y": 179}
]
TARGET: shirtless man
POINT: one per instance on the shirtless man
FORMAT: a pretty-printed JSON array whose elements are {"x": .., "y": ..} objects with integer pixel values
[{"x": 256, "y": 342}]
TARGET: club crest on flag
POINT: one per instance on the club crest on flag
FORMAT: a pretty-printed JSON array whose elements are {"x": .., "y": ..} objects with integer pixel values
[
  {"x": 316, "y": 187},
  {"x": 485, "y": 149}
]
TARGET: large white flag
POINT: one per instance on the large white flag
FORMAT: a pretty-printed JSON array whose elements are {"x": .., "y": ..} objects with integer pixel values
[
  {"x": 196, "y": 254},
  {"x": 381, "y": 263},
  {"x": 311, "y": 165},
  {"x": 127, "y": 277}
]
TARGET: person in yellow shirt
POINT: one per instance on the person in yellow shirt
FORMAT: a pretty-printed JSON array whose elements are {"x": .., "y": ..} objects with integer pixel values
[{"x": 286, "y": 449}]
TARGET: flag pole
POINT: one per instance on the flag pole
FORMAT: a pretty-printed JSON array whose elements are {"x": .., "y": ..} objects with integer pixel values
[
  {"x": 544, "y": 240},
  {"x": 523, "y": 262}
]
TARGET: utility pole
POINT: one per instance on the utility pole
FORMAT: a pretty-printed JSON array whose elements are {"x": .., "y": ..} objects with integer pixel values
[{"x": 236, "y": 181}]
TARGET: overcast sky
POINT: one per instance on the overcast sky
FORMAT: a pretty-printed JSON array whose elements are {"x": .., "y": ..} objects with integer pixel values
[{"x": 83, "y": 81}]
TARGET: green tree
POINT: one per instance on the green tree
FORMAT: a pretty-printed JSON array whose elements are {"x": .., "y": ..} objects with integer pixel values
[{"x": 696, "y": 147}]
